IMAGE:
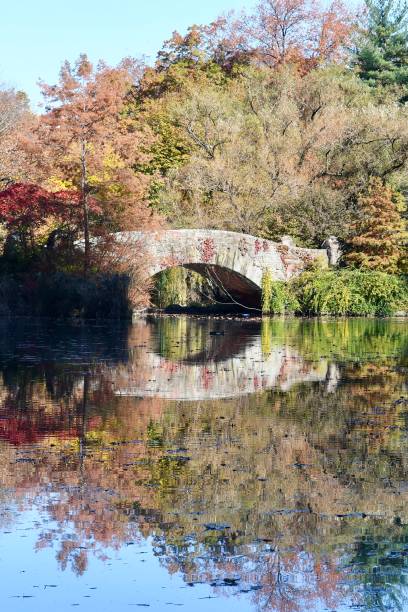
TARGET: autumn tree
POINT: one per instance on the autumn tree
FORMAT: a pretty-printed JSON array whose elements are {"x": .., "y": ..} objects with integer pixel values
[
  {"x": 210, "y": 57},
  {"x": 29, "y": 213},
  {"x": 15, "y": 123},
  {"x": 92, "y": 143},
  {"x": 273, "y": 152},
  {"x": 207, "y": 48},
  {"x": 23, "y": 209},
  {"x": 380, "y": 232},
  {"x": 301, "y": 32},
  {"x": 276, "y": 32},
  {"x": 226, "y": 42},
  {"x": 180, "y": 48}
]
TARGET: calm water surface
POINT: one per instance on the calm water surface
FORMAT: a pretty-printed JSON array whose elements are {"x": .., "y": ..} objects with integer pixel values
[{"x": 160, "y": 465}]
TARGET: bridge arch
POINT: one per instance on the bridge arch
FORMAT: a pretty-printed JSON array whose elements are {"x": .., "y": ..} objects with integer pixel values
[
  {"x": 236, "y": 261},
  {"x": 225, "y": 285}
]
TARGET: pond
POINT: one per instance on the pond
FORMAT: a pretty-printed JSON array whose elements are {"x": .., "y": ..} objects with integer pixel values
[{"x": 204, "y": 464}]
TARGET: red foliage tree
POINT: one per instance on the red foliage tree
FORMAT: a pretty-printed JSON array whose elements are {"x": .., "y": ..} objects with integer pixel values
[{"x": 25, "y": 207}]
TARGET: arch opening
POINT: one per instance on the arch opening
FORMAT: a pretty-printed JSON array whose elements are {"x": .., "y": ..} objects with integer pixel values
[{"x": 220, "y": 286}]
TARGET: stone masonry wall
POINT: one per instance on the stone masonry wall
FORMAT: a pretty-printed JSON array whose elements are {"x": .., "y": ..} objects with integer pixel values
[{"x": 245, "y": 255}]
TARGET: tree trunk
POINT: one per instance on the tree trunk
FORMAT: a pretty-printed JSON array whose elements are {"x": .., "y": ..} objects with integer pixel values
[
  {"x": 82, "y": 432},
  {"x": 85, "y": 208}
]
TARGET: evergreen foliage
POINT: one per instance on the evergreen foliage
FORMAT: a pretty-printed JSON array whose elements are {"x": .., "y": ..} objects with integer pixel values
[{"x": 383, "y": 55}]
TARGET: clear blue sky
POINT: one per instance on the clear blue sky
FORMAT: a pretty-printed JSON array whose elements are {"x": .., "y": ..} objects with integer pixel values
[{"x": 37, "y": 35}]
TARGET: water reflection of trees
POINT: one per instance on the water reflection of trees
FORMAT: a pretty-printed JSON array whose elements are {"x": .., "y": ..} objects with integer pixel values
[{"x": 304, "y": 493}]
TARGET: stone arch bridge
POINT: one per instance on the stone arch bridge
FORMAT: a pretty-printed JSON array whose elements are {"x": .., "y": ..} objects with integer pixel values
[{"x": 233, "y": 261}]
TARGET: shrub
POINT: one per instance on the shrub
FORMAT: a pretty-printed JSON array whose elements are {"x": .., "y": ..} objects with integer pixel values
[
  {"x": 336, "y": 292},
  {"x": 350, "y": 292},
  {"x": 277, "y": 297},
  {"x": 171, "y": 288}
]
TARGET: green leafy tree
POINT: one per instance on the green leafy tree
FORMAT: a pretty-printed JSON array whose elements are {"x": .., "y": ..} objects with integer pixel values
[{"x": 382, "y": 56}]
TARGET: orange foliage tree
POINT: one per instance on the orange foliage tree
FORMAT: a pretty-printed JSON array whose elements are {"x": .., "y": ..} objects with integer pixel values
[
  {"x": 16, "y": 122},
  {"x": 90, "y": 142},
  {"x": 299, "y": 31},
  {"x": 380, "y": 231},
  {"x": 277, "y": 32}
]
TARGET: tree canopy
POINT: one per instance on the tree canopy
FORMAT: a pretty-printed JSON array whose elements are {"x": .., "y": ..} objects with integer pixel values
[
  {"x": 273, "y": 121},
  {"x": 382, "y": 55}
]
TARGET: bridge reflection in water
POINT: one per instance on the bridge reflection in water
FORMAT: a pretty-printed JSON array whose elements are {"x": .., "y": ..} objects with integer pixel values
[
  {"x": 217, "y": 362},
  {"x": 280, "y": 501}
]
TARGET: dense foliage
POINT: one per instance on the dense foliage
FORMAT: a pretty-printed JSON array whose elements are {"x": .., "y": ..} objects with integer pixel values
[
  {"x": 289, "y": 119},
  {"x": 351, "y": 292},
  {"x": 345, "y": 292},
  {"x": 380, "y": 230},
  {"x": 277, "y": 296},
  {"x": 382, "y": 56}
]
